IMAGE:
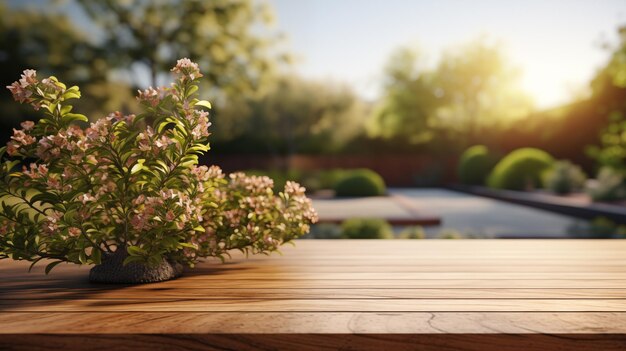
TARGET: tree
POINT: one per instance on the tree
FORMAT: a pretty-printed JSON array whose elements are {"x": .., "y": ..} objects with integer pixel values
[
  {"x": 410, "y": 100},
  {"x": 295, "y": 115},
  {"x": 479, "y": 89},
  {"x": 471, "y": 87},
  {"x": 609, "y": 102},
  {"x": 225, "y": 37},
  {"x": 51, "y": 42}
]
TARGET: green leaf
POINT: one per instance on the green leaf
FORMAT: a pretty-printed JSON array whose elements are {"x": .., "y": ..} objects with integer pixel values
[
  {"x": 82, "y": 256},
  {"x": 136, "y": 168},
  {"x": 33, "y": 264},
  {"x": 96, "y": 255},
  {"x": 44, "y": 198},
  {"x": 71, "y": 117},
  {"x": 204, "y": 103},
  {"x": 162, "y": 126},
  {"x": 192, "y": 90},
  {"x": 186, "y": 245},
  {"x": 135, "y": 251},
  {"x": 72, "y": 93},
  {"x": 51, "y": 265},
  {"x": 66, "y": 109},
  {"x": 131, "y": 259}
]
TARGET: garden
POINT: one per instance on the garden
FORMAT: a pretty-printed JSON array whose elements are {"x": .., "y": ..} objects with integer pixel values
[{"x": 243, "y": 175}]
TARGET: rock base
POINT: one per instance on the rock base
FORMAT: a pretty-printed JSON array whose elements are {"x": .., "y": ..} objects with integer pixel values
[{"x": 112, "y": 270}]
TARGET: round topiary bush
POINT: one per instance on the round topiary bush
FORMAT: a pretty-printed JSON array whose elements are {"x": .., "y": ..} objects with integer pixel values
[
  {"x": 360, "y": 182},
  {"x": 366, "y": 228},
  {"x": 521, "y": 169},
  {"x": 608, "y": 186},
  {"x": 412, "y": 232},
  {"x": 475, "y": 164},
  {"x": 564, "y": 177}
]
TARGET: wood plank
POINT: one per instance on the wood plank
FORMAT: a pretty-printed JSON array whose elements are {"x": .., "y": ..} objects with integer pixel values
[
  {"x": 320, "y": 322},
  {"x": 315, "y": 342},
  {"x": 390, "y": 276},
  {"x": 345, "y": 284},
  {"x": 314, "y": 293},
  {"x": 314, "y": 305}
]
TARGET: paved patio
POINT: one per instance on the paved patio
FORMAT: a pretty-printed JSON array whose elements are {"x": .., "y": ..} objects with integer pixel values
[{"x": 468, "y": 214}]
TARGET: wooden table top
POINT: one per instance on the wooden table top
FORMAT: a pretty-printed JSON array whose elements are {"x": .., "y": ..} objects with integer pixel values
[{"x": 338, "y": 294}]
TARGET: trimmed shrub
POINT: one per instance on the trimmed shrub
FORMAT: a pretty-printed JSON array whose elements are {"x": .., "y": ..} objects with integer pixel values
[
  {"x": 475, "y": 164},
  {"x": 449, "y": 234},
  {"x": 366, "y": 228},
  {"x": 361, "y": 182},
  {"x": 564, "y": 178},
  {"x": 412, "y": 232},
  {"x": 324, "y": 231},
  {"x": 323, "y": 179},
  {"x": 598, "y": 228},
  {"x": 609, "y": 186},
  {"x": 521, "y": 169}
]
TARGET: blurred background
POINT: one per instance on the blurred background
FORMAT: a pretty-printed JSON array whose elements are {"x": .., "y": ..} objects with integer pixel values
[{"x": 402, "y": 118}]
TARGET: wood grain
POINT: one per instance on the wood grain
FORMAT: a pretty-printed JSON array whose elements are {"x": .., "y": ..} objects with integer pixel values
[{"x": 335, "y": 294}]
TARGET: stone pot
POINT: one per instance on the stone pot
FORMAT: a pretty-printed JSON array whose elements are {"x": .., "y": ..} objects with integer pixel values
[{"x": 112, "y": 270}]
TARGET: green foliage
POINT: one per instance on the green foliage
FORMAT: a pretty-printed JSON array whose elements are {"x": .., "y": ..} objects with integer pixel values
[
  {"x": 412, "y": 232},
  {"x": 449, "y": 234},
  {"x": 470, "y": 89},
  {"x": 295, "y": 115},
  {"x": 475, "y": 165},
  {"x": 132, "y": 182},
  {"x": 361, "y": 182},
  {"x": 599, "y": 228},
  {"x": 410, "y": 100},
  {"x": 564, "y": 178},
  {"x": 324, "y": 231},
  {"x": 608, "y": 186},
  {"x": 230, "y": 36},
  {"x": 323, "y": 179},
  {"x": 616, "y": 67},
  {"x": 612, "y": 149},
  {"x": 366, "y": 228},
  {"x": 30, "y": 38},
  {"x": 520, "y": 170}
]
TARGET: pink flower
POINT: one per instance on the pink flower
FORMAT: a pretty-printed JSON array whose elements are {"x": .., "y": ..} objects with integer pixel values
[
  {"x": 29, "y": 77},
  {"x": 84, "y": 198},
  {"x": 12, "y": 148},
  {"x": 53, "y": 183},
  {"x": 19, "y": 93},
  {"x": 201, "y": 121},
  {"x": 163, "y": 142},
  {"x": 27, "y": 125},
  {"x": 169, "y": 216},
  {"x": 187, "y": 68},
  {"x": 73, "y": 231},
  {"x": 151, "y": 96},
  {"x": 22, "y": 138}
]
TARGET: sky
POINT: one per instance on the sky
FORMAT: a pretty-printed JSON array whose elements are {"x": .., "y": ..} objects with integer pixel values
[{"x": 556, "y": 44}]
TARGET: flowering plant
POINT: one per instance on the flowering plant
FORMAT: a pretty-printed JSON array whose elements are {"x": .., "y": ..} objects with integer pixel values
[{"x": 131, "y": 185}]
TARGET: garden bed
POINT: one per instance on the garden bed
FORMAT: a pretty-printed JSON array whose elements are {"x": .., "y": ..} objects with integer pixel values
[{"x": 571, "y": 205}]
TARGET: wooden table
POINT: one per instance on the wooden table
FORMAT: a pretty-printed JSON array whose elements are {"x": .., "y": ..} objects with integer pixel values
[{"x": 339, "y": 294}]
